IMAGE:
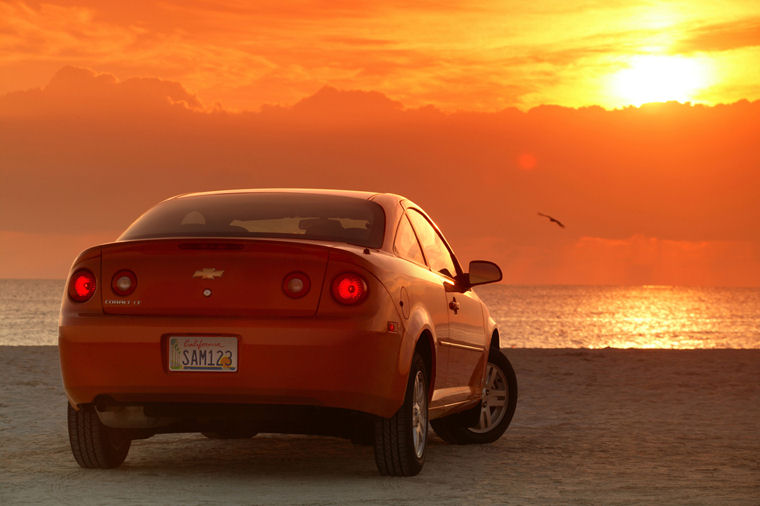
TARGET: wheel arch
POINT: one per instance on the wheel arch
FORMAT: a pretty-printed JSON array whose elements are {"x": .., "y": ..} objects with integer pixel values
[
  {"x": 419, "y": 328},
  {"x": 426, "y": 348},
  {"x": 495, "y": 343}
]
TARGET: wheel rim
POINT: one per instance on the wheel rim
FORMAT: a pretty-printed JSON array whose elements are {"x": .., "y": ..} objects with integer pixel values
[
  {"x": 419, "y": 415},
  {"x": 493, "y": 406}
]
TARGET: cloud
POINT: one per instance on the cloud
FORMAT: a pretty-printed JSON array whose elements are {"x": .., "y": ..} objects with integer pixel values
[
  {"x": 44, "y": 31},
  {"x": 358, "y": 41},
  {"x": 328, "y": 104},
  {"x": 722, "y": 36},
  {"x": 88, "y": 153},
  {"x": 640, "y": 259},
  {"x": 76, "y": 91},
  {"x": 452, "y": 54}
]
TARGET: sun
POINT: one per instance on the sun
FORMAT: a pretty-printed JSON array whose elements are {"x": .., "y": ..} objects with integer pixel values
[{"x": 660, "y": 78}]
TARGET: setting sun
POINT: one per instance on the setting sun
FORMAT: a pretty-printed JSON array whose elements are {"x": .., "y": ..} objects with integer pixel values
[{"x": 654, "y": 78}]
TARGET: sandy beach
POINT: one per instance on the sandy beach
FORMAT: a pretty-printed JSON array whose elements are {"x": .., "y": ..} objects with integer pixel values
[{"x": 592, "y": 427}]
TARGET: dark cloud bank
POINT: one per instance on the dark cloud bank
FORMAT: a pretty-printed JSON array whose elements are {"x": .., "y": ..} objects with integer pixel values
[{"x": 89, "y": 153}]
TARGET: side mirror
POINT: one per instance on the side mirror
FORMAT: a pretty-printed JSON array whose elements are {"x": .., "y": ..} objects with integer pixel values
[{"x": 482, "y": 272}]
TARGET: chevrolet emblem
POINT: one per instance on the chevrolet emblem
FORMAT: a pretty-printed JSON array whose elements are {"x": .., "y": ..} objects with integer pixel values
[{"x": 208, "y": 273}]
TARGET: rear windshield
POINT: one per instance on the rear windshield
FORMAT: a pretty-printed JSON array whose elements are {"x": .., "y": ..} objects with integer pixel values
[{"x": 280, "y": 215}]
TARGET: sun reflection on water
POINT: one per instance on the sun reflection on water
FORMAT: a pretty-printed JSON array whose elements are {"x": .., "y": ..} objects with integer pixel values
[
  {"x": 656, "y": 317},
  {"x": 626, "y": 317}
]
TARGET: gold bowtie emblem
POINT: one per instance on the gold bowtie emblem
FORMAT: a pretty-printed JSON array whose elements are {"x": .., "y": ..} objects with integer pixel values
[{"x": 208, "y": 273}]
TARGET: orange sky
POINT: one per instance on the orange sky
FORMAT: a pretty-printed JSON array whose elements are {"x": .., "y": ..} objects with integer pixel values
[
  {"x": 105, "y": 109},
  {"x": 454, "y": 54}
]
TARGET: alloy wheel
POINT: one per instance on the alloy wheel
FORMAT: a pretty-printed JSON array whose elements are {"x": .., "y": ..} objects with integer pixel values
[
  {"x": 493, "y": 406},
  {"x": 419, "y": 414}
]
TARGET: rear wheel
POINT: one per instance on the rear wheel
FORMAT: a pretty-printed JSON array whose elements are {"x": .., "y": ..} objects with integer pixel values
[
  {"x": 487, "y": 421},
  {"x": 93, "y": 444},
  {"x": 401, "y": 439}
]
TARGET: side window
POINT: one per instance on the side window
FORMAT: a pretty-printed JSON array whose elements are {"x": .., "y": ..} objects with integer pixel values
[
  {"x": 406, "y": 244},
  {"x": 436, "y": 252}
]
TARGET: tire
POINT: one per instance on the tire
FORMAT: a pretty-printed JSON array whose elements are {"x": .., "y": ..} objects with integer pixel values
[
  {"x": 94, "y": 445},
  {"x": 491, "y": 418},
  {"x": 401, "y": 439}
]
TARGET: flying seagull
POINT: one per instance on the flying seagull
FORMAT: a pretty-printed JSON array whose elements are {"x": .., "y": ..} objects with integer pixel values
[{"x": 553, "y": 220}]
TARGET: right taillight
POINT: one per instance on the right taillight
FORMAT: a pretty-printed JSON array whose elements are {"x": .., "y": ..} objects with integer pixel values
[
  {"x": 82, "y": 285},
  {"x": 349, "y": 288}
]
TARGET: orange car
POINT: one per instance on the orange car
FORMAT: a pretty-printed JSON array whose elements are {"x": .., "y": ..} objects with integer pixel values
[{"x": 298, "y": 311}]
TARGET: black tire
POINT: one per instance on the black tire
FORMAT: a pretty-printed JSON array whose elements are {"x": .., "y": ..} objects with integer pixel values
[
  {"x": 94, "y": 445},
  {"x": 396, "y": 453},
  {"x": 460, "y": 429}
]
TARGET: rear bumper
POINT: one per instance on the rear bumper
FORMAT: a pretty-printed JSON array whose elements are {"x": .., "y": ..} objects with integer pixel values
[{"x": 334, "y": 363}]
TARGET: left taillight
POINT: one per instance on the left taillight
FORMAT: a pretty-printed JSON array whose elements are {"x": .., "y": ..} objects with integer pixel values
[{"x": 82, "y": 285}]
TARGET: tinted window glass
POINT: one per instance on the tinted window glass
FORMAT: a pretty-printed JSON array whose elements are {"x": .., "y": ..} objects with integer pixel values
[
  {"x": 437, "y": 254},
  {"x": 406, "y": 244},
  {"x": 286, "y": 215}
]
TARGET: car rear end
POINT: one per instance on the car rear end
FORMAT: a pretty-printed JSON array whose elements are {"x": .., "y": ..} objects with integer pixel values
[{"x": 241, "y": 319}]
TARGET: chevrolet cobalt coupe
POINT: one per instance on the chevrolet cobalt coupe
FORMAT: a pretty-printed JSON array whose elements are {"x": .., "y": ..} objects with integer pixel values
[{"x": 232, "y": 313}]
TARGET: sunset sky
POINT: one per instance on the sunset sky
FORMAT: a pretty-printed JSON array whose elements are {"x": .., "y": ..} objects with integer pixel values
[
  {"x": 484, "y": 113},
  {"x": 457, "y": 55}
]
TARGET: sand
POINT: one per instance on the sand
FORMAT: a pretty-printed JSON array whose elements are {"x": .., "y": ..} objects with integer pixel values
[{"x": 592, "y": 427}]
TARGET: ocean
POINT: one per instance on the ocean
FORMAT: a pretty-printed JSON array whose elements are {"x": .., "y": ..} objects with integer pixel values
[
  {"x": 625, "y": 316},
  {"x": 528, "y": 316}
]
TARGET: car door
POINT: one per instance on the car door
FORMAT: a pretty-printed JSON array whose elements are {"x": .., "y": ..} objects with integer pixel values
[
  {"x": 467, "y": 341},
  {"x": 425, "y": 288},
  {"x": 464, "y": 345}
]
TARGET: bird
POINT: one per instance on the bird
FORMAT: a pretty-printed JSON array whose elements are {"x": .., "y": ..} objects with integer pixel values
[{"x": 552, "y": 219}]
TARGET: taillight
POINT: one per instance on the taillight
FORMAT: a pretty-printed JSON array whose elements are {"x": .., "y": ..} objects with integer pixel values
[
  {"x": 349, "y": 288},
  {"x": 82, "y": 285},
  {"x": 296, "y": 285},
  {"x": 123, "y": 282}
]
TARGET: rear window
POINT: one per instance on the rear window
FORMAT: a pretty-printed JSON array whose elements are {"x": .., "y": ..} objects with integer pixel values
[{"x": 279, "y": 215}]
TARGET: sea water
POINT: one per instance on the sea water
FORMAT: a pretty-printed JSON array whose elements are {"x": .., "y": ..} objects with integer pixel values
[
  {"x": 624, "y": 317},
  {"x": 527, "y": 316}
]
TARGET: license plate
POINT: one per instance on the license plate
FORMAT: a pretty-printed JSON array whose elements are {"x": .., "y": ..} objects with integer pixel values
[{"x": 203, "y": 353}]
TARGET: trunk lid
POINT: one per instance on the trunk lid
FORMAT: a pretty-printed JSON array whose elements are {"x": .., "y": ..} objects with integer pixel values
[{"x": 212, "y": 277}]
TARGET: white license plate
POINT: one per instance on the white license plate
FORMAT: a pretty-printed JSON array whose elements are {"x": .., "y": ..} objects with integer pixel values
[{"x": 203, "y": 353}]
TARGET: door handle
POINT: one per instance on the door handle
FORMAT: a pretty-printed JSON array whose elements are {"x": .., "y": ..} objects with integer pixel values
[{"x": 454, "y": 305}]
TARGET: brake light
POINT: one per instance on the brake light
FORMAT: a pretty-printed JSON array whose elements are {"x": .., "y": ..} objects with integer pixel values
[
  {"x": 296, "y": 285},
  {"x": 82, "y": 285},
  {"x": 124, "y": 282},
  {"x": 349, "y": 288}
]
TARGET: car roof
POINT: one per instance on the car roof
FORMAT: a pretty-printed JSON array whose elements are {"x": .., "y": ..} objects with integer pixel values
[{"x": 313, "y": 191}]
